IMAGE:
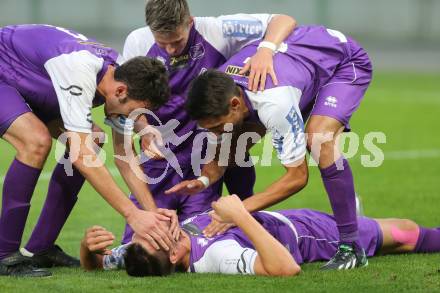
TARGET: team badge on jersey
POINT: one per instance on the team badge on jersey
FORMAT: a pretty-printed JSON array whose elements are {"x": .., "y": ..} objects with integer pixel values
[{"x": 197, "y": 51}]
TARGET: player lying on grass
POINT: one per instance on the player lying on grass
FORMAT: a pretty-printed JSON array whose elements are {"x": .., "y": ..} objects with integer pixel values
[
  {"x": 263, "y": 243},
  {"x": 51, "y": 78},
  {"x": 187, "y": 46},
  {"x": 322, "y": 77}
]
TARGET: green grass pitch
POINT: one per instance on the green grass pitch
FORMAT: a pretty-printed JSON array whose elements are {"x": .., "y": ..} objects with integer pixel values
[{"x": 405, "y": 107}]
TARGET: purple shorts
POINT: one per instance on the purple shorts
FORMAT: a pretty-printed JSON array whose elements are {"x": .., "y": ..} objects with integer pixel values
[
  {"x": 13, "y": 106},
  {"x": 342, "y": 95},
  {"x": 319, "y": 236}
]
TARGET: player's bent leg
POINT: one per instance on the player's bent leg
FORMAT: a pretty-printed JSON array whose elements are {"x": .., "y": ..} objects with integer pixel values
[
  {"x": 323, "y": 135},
  {"x": 61, "y": 198},
  {"x": 31, "y": 139},
  {"x": 401, "y": 235}
]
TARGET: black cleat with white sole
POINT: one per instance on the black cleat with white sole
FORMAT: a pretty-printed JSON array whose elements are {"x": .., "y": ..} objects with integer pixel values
[
  {"x": 16, "y": 265},
  {"x": 52, "y": 257},
  {"x": 347, "y": 258}
]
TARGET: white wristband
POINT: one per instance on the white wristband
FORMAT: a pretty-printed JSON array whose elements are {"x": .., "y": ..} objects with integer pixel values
[
  {"x": 268, "y": 45},
  {"x": 204, "y": 180}
]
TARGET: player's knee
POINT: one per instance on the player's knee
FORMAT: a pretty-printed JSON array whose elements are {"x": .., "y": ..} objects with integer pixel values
[
  {"x": 409, "y": 225},
  {"x": 38, "y": 145},
  {"x": 319, "y": 138},
  {"x": 321, "y": 146},
  {"x": 405, "y": 232}
]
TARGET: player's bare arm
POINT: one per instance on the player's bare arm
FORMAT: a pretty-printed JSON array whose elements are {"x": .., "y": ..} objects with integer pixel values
[
  {"x": 261, "y": 64},
  {"x": 291, "y": 182},
  {"x": 147, "y": 223},
  {"x": 130, "y": 170},
  {"x": 94, "y": 246},
  {"x": 273, "y": 258}
]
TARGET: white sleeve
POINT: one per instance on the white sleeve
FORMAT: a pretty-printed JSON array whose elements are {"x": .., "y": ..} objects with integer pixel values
[
  {"x": 74, "y": 80},
  {"x": 138, "y": 43},
  {"x": 278, "y": 110},
  {"x": 229, "y": 33},
  {"x": 227, "y": 257},
  {"x": 115, "y": 260}
]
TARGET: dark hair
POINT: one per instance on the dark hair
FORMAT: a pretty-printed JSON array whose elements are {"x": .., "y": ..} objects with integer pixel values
[
  {"x": 166, "y": 15},
  {"x": 146, "y": 80},
  {"x": 140, "y": 263},
  {"x": 209, "y": 95}
]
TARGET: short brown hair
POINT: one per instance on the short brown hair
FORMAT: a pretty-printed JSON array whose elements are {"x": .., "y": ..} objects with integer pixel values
[
  {"x": 166, "y": 15},
  {"x": 140, "y": 263},
  {"x": 209, "y": 95},
  {"x": 146, "y": 80}
]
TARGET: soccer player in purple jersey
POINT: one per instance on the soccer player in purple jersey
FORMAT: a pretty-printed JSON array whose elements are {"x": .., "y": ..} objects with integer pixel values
[
  {"x": 263, "y": 243},
  {"x": 51, "y": 78},
  {"x": 322, "y": 77},
  {"x": 188, "y": 46}
]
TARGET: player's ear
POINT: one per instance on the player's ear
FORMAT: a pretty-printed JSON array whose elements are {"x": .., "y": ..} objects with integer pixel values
[
  {"x": 174, "y": 256},
  {"x": 191, "y": 20},
  {"x": 235, "y": 103},
  {"x": 121, "y": 90}
]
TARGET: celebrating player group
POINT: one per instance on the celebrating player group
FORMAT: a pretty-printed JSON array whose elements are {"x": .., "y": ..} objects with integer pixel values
[{"x": 191, "y": 87}]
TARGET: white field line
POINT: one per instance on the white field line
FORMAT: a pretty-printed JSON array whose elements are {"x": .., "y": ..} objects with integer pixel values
[{"x": 391, "y": 155}]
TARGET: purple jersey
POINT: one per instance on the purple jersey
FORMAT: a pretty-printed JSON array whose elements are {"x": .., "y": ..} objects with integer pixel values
[
  {"x": 319, "y": 71},
  {"x": 234, "y": 247},
  {"x": 211, "y": 41},
  {"x": 306, "y": 60},
  {"x": 308, "y": 235},
  {"x": 55, "y": 70}
]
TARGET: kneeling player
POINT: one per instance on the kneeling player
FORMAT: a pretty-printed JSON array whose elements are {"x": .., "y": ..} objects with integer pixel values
[{"x": 263, "y": 243}]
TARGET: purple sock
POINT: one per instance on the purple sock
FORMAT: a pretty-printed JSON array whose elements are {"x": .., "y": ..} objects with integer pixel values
[
  {"x": 338, "y": 181},
  {"x": 18, "y": 187},
  {"x": 428, "y": 241},
  {"x": 61, "y": 197}
]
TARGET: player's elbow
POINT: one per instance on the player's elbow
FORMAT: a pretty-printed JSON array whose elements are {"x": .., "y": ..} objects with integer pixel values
[
  {"x": 286, "y": 270},
  {"x": 303, "y": 179},
  {"x": 299, "y": 178},
  {"x": 292, "y": 270},
  {"x": 288, "y": 20}
]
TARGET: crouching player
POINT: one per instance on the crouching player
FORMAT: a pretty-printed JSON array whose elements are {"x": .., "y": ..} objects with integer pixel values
[
  {"x": 263, "y": 243},
  {"x": 322, "y": 77}
]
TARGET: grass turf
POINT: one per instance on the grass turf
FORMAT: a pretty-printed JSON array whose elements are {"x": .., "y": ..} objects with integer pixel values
[{"x": 403, "y": 106}]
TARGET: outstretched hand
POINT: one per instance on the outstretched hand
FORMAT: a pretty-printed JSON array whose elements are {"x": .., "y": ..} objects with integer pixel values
[{"x": 187, "y": 187}]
